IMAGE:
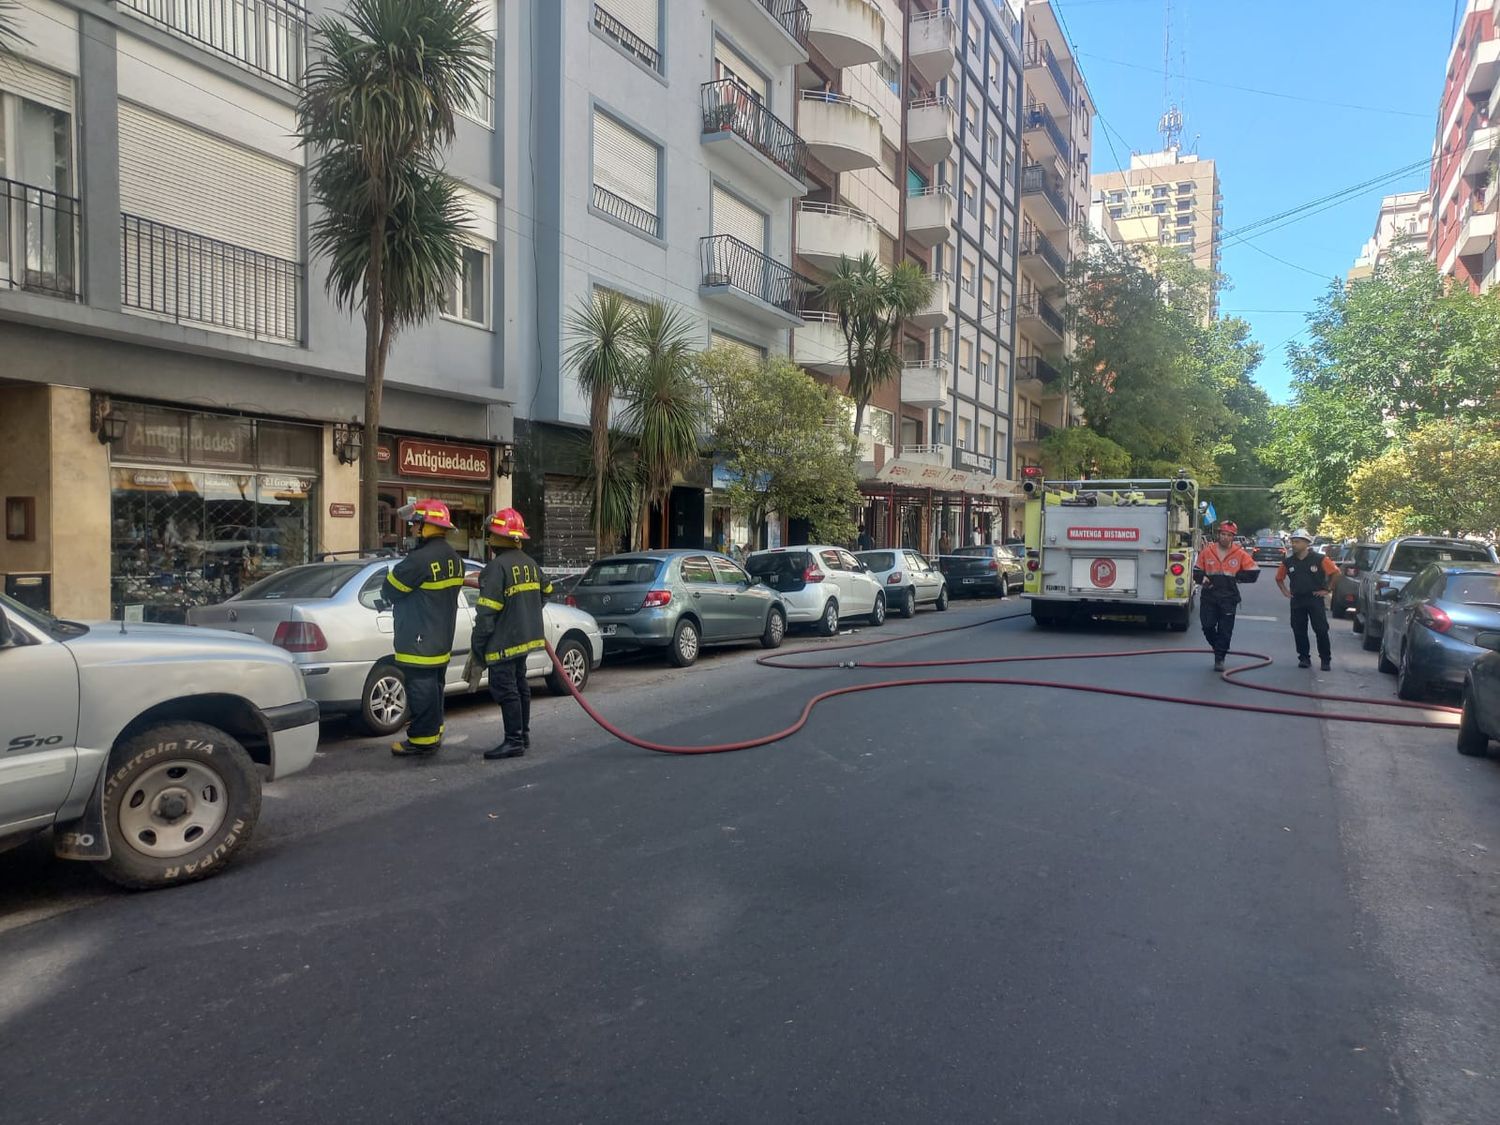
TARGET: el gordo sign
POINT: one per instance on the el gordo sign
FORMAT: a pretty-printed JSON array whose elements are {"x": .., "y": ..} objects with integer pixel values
[{"x": 438, "y": 459}]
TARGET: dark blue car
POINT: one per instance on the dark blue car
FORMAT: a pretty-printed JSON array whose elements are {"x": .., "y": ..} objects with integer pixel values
[{"x": 1435, "y": 623}]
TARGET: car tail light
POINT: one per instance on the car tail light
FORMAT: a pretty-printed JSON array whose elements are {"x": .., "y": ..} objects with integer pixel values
[
  {"x": 1177, "y": 570},
  {"x": 812, "y": 574},
  {"x": 992, "y": 565},
  {"x": 654, "y": 599},
  {"x": 894, "y": 579},
  {"x": 299, "y": 636},
  {"x": 1434, "y": 618},
  {"x": 569, "y": 599}
]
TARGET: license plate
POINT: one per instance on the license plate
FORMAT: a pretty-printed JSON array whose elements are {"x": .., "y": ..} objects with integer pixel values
[
  {"x": 971, "y": 581},
  {"x": 607, "y": 630}
]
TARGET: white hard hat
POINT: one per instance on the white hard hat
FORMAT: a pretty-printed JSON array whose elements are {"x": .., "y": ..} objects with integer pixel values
[{"x": 1302, "y": 533}]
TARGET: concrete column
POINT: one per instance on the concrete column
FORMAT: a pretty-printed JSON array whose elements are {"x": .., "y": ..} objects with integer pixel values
[
  {"x": 99, "y": 161},
  {"x": 79, "y": 508},
  {"x": 339, "y": 485}
]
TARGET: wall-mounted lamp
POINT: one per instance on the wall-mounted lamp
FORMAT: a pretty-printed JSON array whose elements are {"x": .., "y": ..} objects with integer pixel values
[
  {"x": 106, "y": 425},
  {"x": 507, "y": 463},
  {"x": 348, "y": 442}
]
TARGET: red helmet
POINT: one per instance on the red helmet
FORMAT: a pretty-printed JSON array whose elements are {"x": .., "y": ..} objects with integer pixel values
[
  {"x": 433, "y": 512},
  {"x": 1229, "y": 526},
  {"x": 507, "y": 523}
]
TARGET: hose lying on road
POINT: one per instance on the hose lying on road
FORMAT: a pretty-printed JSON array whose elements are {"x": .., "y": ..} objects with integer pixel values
[{"x": 779, "y": 660}]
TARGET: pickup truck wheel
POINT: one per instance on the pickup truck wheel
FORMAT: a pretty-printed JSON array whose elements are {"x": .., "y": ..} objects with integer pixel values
[
  {"x": 575, "y": 661},
  {"x": 383, "y": 705},
  {"x": 180, "y": 800}
]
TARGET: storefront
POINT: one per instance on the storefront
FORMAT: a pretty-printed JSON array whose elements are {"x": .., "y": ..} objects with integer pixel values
[
  {"x": 934, "y": 509},
  {"x": 461, "y": 476},
  {"x": 202, "y": 505}
]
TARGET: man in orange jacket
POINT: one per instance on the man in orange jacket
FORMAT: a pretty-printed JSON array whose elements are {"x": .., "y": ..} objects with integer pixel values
[{"x": 1221, "y": 568}]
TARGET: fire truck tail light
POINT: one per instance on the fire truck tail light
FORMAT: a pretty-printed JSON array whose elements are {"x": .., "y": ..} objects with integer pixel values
[
  {"x": 1177, "y": 556},
  {"x": 1033, "y": 566},
  {"x": 1177, "y": 569}
]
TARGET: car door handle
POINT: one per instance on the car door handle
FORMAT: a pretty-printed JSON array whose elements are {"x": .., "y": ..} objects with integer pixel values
[{"x": 696, "y": 594}]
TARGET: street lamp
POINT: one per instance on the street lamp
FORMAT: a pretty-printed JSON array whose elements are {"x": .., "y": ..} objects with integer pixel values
[{"x": 348, "y": 442}]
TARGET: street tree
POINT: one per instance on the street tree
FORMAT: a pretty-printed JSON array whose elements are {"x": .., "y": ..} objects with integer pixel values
[
  {"x": 601, "y": 355},
  {"x": 378, "y": 107},
  {"x": 1444, "y": 477},
  {"x": 664, "y": 411},
  {"x": 784, "y": 440},
  {"x": 1078, "y": 453}
]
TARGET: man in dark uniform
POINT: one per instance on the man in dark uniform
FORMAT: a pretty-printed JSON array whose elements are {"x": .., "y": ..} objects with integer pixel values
[
  {"x": 1309, "y": 575},
  {"x": 423, "y": 591},
  {"x": 1221, "y": 567},
  {"x": 508, "y": 626}
]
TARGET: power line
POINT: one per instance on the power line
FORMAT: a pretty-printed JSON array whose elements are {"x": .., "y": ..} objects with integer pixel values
[{"x": 1332, "y": 196}]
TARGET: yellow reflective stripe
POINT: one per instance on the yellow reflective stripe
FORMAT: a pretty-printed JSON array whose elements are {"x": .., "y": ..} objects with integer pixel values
[
  {"x": 491, "y": 657},
  {"x": 491, "y": 603},
  {"x": 516, "y": 650},
  {"x": 426, "y": 661},
  {"x": 390, "y": 576},
  {"x": 444, "y": 583},
  {"x": 425, "y": 739},
  {"x": 522, "y": 588}
]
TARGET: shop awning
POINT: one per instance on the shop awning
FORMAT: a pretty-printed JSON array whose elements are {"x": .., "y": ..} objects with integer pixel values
[{"x": 914, "y": 474}]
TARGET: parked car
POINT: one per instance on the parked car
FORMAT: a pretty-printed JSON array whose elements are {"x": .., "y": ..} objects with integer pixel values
[
  {"x": 820, "y": 585},
  {"x": 1393, "y": 567},
  {"x": 141, "y": 746},
  {"x": 985, "y": 570},
  {"x": 334, "y": 620},
  {"x": 1432, "y": 625},
  {"x": 1353, "y": 560},
  {"x": 1479, "y": 725},
  {"x": 909, "y": 579},
  {"x": 1268, "y": 549},
  {"x": 680, "y": 602}
]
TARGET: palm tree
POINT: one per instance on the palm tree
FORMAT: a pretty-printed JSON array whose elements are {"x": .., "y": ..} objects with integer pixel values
[
  {"x": 664, "y": 407},
  {"x": 10, "y": 29},
  {"x": 602, "y": 355},
  {"x": 378, "y": 105},
  {"x": 872, "y": 302}
]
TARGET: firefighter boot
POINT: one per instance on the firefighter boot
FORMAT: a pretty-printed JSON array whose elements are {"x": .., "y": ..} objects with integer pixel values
[
  {"x": 1218, "y": 662},
  {"x": 526, "y": 738},
  {"x": 512, "y": 747}
]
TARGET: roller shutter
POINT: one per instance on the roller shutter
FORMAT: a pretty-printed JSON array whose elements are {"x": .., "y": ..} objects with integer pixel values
[
  {"x": 729, "y": 63},
  {"x": 748, "y": 351},
  {"x": 638, "y": 16},
  {"x": 568, "y": 533},
  {"x": 39, "y": 83},
  {"x": 626, "y": 166},
  {"x": 733, "y": 216}
]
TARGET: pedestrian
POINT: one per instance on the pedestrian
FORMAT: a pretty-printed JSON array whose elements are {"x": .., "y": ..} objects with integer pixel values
[
  {"x": 866, "y": 540},
  {"x": 423, "y": 591},
  {"x": 945, "y": 544},
  {"x": 1221, "y": 568},
  {"x": 1305, "y": 577},
  {"x": 508, "y": 628}
]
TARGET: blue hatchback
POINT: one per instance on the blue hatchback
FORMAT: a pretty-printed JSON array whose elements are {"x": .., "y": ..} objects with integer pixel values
[{"x": 1434, "y": 623}]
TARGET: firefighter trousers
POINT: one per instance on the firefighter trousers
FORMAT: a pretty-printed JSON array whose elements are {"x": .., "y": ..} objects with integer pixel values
[
  {"x": 1217, "y": 619},
  {"x": 511, "y": 691},
  {"x": 1309, "y": 610},
  {"x": 424, "y": 703}
]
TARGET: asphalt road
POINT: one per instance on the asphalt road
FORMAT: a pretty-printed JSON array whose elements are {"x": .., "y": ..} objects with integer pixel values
[{"x": 935, "y": 904}]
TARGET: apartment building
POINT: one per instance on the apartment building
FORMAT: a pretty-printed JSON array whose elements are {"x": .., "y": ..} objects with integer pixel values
[
  {"x": 1401, "y": 227},
  {"x": 176, "y": 386},
  {"x": 1057, "y": 142},
  {"x": 1466, "y": 151}
]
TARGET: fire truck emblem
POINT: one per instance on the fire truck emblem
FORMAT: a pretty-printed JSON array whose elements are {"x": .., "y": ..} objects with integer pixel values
[{"x": 1102, "y": 573}]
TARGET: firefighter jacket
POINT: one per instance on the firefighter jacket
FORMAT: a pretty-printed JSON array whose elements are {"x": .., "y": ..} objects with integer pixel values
[
  {"x": 1307, "y": 576},
  {"x": 423, "y": 591},
  {"x": 508, "y": 621},
  {"x": 1224, "y": 571}
]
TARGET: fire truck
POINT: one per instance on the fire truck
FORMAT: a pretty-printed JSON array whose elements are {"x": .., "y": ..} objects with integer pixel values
[{"x": 1111, "y": 548}]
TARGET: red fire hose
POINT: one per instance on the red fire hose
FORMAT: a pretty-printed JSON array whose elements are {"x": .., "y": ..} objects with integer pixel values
[{"x": 778, "y": 660}]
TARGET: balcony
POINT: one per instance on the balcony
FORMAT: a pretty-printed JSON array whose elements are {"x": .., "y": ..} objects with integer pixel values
[
  {"x": 1478, "y": 233},
  {"x": 776, "y": 28},
  {"x": 739, "y": 277},
  {"x": 629, "y": 41},
  {"x": 938, "y": 454},
  {"x": 1036, "y": 377},
  {"x": 752, "y": 140},
  {"x": 827, "y": 232},
  {"x": 1047, "y": 79},
  {"x": 1044, "y": 184},
  {"x": 935, "y": 313},
  {"x": 932, "y": 44},
  {"x": 1031, "y": 432},
  {"x": 846, "y": 32},
  {"x": 266, "y": 36},
  {"x": 1478, "y": 149},
  {"x": 1044, "y": 135},
  {"x": 841, "y": 133},
  {"x": 925, "y": 384},
  {"x": 187, "y": 278},
  {"x": 39, "y": 239},
  {"x": 1043, "y": 259},
  {"x": 929, "y": 215},
  {"x": 819, "y": 343},
  {"x": 1484, "y": 68},
  {"x": 931, "y": 128},
  {"x": 1040, "y": 320}
]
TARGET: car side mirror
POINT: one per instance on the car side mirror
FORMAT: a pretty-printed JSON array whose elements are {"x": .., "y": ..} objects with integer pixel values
[{"x": 1387, "y": 595}]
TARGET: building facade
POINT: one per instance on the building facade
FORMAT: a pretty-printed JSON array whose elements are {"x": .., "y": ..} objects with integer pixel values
[
  {"x": 1466, "y": 151},
  {"x": 1402, "y": 227},
  {"x": 176, "y": 385}
]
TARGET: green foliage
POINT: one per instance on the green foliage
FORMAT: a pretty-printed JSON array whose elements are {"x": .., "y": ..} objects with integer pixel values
[
  {"x": 599, "y": 353},
  {"x": 663, "y": 401},
  {"x": 1077, "y": 453},
  {"x": 1444, "y": 477},
  {"x": 785, "y": 440}
]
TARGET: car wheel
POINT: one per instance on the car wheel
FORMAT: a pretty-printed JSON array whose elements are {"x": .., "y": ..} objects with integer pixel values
[
  {"x": 828, "y": 624},
  {"x": 1179, "y": 621},
  {"x": 1004, "y": 587},
  {"x": 775, "y": 629},
  {"x": 1472, "y": 742},
  {"x": 1408, "y": 685},
  {"x": 1357, "y": 626},
  {"x": 383, "y": 705},
  {"x": 909, "y": 602},
  {"x": 1338, "y": 610},
  {"x": 574, "y": 658},
  {"x": 877, "y": 615},
  {"x": 180, "y": 800},
  {"x": 685, "y": 644},
  {"x": 1370, "y": 641},
  {"x": 942, "y": 602},
  {"x": 1385, "y": 663}
]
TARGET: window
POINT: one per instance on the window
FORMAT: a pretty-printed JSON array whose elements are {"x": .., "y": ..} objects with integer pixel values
[
  {"x": 752, "y": 352},
  {"x": 1159, "y": 191},
  {"x": 971, "y": 118},
  {"x": 966, "y": 275},
  {"x": 736, "y": 218},
  {"x": 468, "y": 299},
  {"x": 482, "y": 109},
  {"x": 1184, "y": 220},
  {"x": 966, "y": 355},
  {"x": 971, "y": 197},
  {"x": 1184, "y": 205},
  {"x": 943, "y": 430},
  {"x": 986, "y": 441},
  {"x": 626, "y": 173},
  {"x": 991, "y": 144},
  {"x": 1117, "y": 212},
  {"x": 990, "y": 215},
  {"x": 1184, "y": 186},
  {"x": 986, "y": 292},
  {"x": 889, "y": 69},
  {"x": 880, "y": 425},
  {"x": 730, "y": 64},
  {"x": 633, "y": 25},
  {"x": 697, "y": 571},
  {"x": 986, "y": 367},
  {"x": 36, "y": 150},
  {"x": 971, "y": 32},
  {"x": 963, "y": 433},
  {"x": 729, "y": 574}
]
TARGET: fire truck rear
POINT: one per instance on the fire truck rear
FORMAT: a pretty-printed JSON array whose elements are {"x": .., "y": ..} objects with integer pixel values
[{"x": 1111, "y": 548}]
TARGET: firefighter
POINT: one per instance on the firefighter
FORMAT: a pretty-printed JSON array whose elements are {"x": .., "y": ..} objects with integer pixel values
[
  {"x": 1309, "y": 574},
  {"x": 1220, "y": 569},
  {"x": 423, "y": 591},
  {"x": 508, "y": 627}
]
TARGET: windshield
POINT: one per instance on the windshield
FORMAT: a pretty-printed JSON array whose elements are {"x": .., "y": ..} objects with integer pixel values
[
  {"x": 1412, "y": 557},
  {"x": 877, "y": 560},
  {"x": 1475, "y": 589},
  {"x": 622, "y": 572},
  {"x": 777, "y": 562},
  {"x": 320, "y": 580},
  {"x": 975, "y": 552},
  {"x": 1277, "y": 543},
  {"x": 1364, "y": 557},
  {"x": 39, "y": 619}
]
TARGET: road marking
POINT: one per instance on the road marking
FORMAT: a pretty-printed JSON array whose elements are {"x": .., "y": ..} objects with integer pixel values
[{"x": 1253, "y": 617}]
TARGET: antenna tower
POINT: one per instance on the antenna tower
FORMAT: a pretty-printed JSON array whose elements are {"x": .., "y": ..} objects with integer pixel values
[{"x": 1171, "y": 123}]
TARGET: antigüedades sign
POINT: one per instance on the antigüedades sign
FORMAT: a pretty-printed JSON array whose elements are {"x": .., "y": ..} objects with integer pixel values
[{"x": 439, "y": 459}]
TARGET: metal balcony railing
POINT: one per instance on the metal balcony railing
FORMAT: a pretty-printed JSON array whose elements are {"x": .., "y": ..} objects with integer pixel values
[
  {"x": 617, "y": 207},
  {"x": 1038, "y": 245},
  {"x": 1035, "y": 368},
  {"x": 728, "y": 261},
  {"x": 1039, "y": 54},
  {"x": 1034, "y": 429},
  {"x": 729, "y": 107},
  {"x": 792, "y": 15},
  {"x": 1037, "y": 117},
  {"x": 1037, "y": 308},
  {"x": 606, "y": 22},
  {"x": 192, "y": 279},
  {"x": 1037, "y": 180},
  {"x": 266, "y": 36},
  {"x": 39, "y": 239}
]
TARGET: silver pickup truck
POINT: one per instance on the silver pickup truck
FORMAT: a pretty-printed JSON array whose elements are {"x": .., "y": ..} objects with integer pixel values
[{"x": 143, "y": 746}]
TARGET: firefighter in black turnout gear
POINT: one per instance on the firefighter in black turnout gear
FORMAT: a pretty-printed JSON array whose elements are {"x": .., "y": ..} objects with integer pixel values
[
  {"x": 1220, "y": 569},
  {"x": 1305, "y": 577},
  {"x": 423, "y": 591},
  {"x": 508, "y": 627}
]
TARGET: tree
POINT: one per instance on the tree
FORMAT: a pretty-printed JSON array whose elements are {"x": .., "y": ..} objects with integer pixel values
[
  {"x": 10, "y": 29},
  {"x": 601, "y": 354},
  {"x": 664, "y": 403},
  {"x": 872, "y": 302},
  {"x": 378, "y": 106},
  {"x": 1444, "y": 478},
  {"x": 1077, "y": 453},
  {"x": 785, "y": 441}
]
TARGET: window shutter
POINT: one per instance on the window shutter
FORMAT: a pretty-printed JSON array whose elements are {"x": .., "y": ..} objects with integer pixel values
[
  {"x": 39, "y": 83},
  {"x": 732, "y": 216},
  {"x": 625, "y": 164},
  {"x": 735, "y": 65},
  {"x": 639, "y": 16},
  {"x": 749, "y": 351}
]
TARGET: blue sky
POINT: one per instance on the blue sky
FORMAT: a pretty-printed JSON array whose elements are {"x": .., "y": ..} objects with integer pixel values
[{"x": 1274, "y": 153}]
